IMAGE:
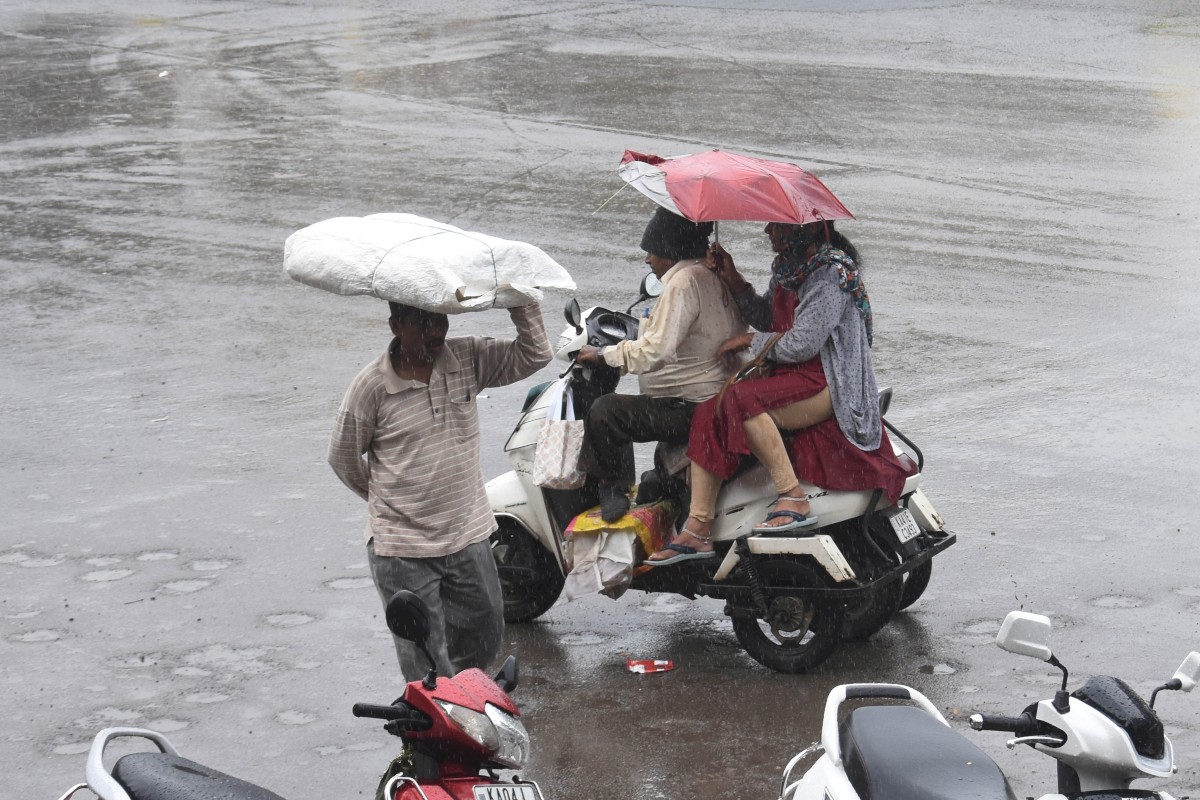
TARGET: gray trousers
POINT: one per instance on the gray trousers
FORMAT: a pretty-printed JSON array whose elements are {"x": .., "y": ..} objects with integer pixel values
[{"x": 466, "y": 607}]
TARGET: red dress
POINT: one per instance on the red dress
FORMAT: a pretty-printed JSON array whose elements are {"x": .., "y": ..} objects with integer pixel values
[{"x": 821, "y": 454}]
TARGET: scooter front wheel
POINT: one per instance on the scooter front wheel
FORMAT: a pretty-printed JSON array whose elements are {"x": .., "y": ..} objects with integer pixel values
[
  {"x": 530, "y": 577},
  {"x": 797, "y": 632}
]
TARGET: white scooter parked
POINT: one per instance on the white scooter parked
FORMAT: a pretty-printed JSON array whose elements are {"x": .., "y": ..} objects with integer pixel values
[
  {"x": 791, "y": 596},
  {"x": 1103, "y": 734}
]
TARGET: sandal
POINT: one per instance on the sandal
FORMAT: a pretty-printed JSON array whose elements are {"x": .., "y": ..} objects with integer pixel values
[
  {"x": 798, "y": 520},
  {"x": 685, "y": 553}
]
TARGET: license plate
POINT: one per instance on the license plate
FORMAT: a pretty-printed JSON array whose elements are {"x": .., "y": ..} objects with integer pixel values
[
  {"x": 904, "y": 525},
  {"x": 505, "y": 791}
]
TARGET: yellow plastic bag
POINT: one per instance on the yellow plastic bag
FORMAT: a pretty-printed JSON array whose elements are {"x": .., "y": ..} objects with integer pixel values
[{"x": 653, "y": 524}]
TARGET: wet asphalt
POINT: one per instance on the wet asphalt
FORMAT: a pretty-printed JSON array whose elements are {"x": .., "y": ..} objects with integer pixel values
[{"x": 175, "y": 553}]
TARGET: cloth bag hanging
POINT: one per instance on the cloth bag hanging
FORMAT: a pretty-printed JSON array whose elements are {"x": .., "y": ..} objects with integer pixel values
[{"x": 556, "y": 460}]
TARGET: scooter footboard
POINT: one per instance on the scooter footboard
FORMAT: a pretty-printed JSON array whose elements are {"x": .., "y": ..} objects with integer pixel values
[{"x": 821, "y": 548}]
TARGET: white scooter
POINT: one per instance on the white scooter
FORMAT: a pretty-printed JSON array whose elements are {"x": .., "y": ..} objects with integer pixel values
[
  {"x": 792, "y": 596},
  {"x": 1103, "y": 735}
]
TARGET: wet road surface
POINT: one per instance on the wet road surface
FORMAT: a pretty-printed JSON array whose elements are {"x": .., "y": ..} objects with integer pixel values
[{"x": 176, "y": 554}]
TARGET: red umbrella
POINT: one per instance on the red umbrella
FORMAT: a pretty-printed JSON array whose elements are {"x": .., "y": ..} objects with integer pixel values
[{"x": 716, "y": 185}]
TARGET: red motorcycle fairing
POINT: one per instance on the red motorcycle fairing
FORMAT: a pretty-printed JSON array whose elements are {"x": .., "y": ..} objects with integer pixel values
[{"x": 472, "y": 688}]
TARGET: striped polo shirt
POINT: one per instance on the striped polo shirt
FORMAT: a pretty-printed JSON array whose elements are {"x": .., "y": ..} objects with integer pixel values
[{"x": 421, "y": 475}]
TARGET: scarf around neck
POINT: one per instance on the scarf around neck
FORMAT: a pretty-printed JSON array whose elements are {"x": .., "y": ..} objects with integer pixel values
[{"x": 788, "y": 271}]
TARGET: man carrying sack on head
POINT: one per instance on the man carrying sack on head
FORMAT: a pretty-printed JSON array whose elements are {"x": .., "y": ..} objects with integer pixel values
[{"x": 412, "y": 413}]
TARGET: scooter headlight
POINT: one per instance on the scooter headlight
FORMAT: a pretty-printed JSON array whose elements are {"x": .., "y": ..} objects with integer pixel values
[
  {"x": 514, "y": 740},
  {"x": 497, "y": 731},
  {"x": 473, "y": 724}
]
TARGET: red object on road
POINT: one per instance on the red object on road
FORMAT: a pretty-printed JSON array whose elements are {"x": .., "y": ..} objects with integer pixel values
[
  {"x": 644, "y": 665},
  {"x": 716, "y": 185}
]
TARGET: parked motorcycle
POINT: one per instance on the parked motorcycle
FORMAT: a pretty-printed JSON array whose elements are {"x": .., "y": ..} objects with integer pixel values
[
  {"x": 1103, "y": 735},
  {"x": 792, "y": 596},
  {"x": 459, "y": 733}
]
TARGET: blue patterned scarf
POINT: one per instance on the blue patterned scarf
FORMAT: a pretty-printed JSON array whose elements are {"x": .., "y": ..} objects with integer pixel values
[{"x": 788, "y": 271}]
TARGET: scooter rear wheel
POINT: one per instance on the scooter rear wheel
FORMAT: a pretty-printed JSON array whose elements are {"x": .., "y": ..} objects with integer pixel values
[
  {"x": 525, "y": 598},
  {"x": 797, "y": 632}
]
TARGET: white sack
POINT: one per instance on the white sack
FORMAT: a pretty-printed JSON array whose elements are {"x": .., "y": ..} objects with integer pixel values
[{"x": 419, "y": 262}]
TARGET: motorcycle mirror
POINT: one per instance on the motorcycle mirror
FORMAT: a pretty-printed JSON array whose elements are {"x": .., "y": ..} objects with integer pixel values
[
  {"x": 651, "y": 287},
  {"x": 408, "y": 617},
  {"x": 1188, "y": 672},
  {"x": 574, "y": 315},
  {"x": 1026, "y": 635},
  {"x": 506, "y": 678}
]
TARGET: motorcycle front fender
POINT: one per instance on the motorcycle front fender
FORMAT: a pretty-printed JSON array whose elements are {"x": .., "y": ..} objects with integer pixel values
[{"x": 514, "y": 495}]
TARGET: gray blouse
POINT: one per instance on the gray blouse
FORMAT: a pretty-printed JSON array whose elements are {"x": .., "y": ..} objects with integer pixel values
[{"x": 826, "y": 322}]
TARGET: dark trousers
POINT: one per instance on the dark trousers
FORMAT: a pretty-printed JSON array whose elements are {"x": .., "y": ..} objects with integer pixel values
[
  {"x": 615, "y": 421},
  {"x": 466, "y": 607}
]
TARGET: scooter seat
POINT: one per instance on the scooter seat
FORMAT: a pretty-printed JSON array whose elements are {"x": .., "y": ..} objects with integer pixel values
[
  {"x": 904, "y": 753},
  {"x": 158, "y": 776}
]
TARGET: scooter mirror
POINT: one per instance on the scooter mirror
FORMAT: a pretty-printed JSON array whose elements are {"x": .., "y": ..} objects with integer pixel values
[
  {"x": 1188, "y": 672},
  {"x": 574, "y": 315},
  {"x": 1026, "y": 635},
  {"x": 408, "y": 617},
  {"x": 651, "y": 286}
]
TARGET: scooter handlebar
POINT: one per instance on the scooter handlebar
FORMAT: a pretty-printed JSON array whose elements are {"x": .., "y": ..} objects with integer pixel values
[
  {"x": 1023, "y": 725},
  {"x": 397, "y": 711}
]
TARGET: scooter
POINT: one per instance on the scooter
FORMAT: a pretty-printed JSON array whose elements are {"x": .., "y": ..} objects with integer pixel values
[
  {"x": 792, "y": 597},
  {"x": 458, "y": 734},
  {"x": 894, "y": 743}
]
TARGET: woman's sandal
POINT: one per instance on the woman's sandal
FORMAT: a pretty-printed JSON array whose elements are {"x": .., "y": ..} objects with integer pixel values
[
  {"x": 685, "y": 553},
  {"x": 798, "y": 520}
]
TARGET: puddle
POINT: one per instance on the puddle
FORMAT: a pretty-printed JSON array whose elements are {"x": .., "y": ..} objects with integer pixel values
[
  {"x": 1117, "y": 601},
  {"x": 191, "y": 672},
  {"x": 289, "y": 620},
  {"x": 166, "y": 725},
  {"x": 158, "y": 555},
  {"x": 185, "y": 587},
  {"x": 36, "y": 637},
  {"x": 106, "y": 575},
  {"x": 39, "y": 563},
  {"x": 936, "y": 669},
  {"x": 351, "y": 583},
  {"x": 225, "y": 659},
  {"x": 206, "y": 698}
]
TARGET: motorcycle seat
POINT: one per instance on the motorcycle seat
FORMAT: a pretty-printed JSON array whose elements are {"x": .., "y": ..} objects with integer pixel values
[
  {"x": 904, "y": 753},
  {"x": 159, "y": 776}
]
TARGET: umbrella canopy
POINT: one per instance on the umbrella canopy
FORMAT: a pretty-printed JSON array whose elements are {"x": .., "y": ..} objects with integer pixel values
[
  {"x": 419, "y": 262},
  {"x": 714, "y": 186}
]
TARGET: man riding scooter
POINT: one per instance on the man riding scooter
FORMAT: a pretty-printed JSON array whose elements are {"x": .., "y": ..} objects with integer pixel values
[{"x": 674, "y": 357}]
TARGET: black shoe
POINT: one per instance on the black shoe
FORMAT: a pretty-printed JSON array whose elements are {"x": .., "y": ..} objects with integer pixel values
[{"x": 614, "y": 502}]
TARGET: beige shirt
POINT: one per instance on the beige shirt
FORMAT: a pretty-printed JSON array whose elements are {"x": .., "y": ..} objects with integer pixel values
[
  {"x": 422, "y": 477},
  {"x": 676, "y": 353}
]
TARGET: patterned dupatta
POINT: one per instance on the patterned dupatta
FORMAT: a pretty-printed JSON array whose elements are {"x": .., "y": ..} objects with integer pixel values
[{"x": 788, "y": 271}]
